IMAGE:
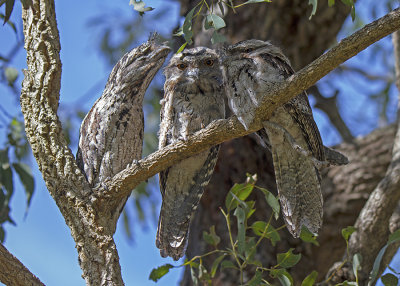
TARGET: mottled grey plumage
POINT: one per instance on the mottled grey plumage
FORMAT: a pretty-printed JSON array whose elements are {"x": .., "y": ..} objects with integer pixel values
[
  {"x": 294, "y": 139},
  {"x": 111, "y": 134},
  {"x": 193, "y": 98}
]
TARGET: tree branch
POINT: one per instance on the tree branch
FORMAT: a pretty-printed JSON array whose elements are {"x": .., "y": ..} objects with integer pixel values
[
  {"x": 329, "y": 106},
  {"x": 13, "y": 272},
  {"x": 373, "y": 222},
  {"x": 280, "y": 93}
]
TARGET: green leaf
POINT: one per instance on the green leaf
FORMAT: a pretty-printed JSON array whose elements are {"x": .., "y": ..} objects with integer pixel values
[
  {"x": 227, "y": 264},
  {"x": 331, "y": 3},
  {"x": 250, "y": 208},
  {"x": 308, "y": 236},
  {"x": 356, "y": 264},
  {"x": 181, "y": 48},
  {"x": 377, "y": 263},
  {"x": 194, "y": 277},
  {"x": 238, "y": 193},
  {"x": 9, "y": 9},
  {"x": 310, "y": 279},
  {"x": 187, "y": 26},
  {"x": 314, "y": 3},
  {"x": 353, "y": 8},
  {"x": 25, "y": 175},
  {"x": 215, "y": 264},
  {"x": 241, "y": 224},
  {"x": 272, "y": 202},
  {"x": 11, "y": 75},
  {"x": 395, "y": 236},
  {"x": 256, "y": 280},
  {"x": 259, "y": 227},
  {"x": 140, "y": 6},
  {"x": 250, "y": 249},
  {"x": 179, "y": 32},
  {"x": 6, "y": 178},
  {"x": 217, "y": 38},
  {"x": 159, "y": 272},
  {"x": 214, "y": 21},
  {"x": 346, "y": 232},
  {"x": 211, "y": 238},
  {"x": 288, "y": 259},
  {"x": 389, "y": 280},
  {"x": 285, "y": 278}
]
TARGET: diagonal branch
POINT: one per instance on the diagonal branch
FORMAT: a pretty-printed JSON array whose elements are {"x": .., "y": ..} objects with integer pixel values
[
  {"x": 13, "y": 272},
  {"x": 280, "y": 93},
  {"x": 373, "y": 223},
  {"x": 329, "y": 106}
]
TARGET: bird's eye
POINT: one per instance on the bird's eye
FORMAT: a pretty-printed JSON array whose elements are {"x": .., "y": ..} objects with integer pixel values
[
  {"x": 248, "y": 50},
  {"x": 181, "y": 66},
  {"x": 209, "y": 62}
]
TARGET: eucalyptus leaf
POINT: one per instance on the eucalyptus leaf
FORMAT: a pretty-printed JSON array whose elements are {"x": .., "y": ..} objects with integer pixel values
[
  {"x": 356, "y": 264},
  {"x": 288, "y": 259},
  {"x": 307, "y": 236},
  {"x": 215, "y": 264},
  {"x": 241, "y": 224},
  {"x": 310, "y": 279},
  {"x": 272, "y": 202},
  {"x": 390, "y": 280},
  {"x": 25, "y": 175},
  {"x": 159, "y": 272},
  {"x": 9, "y": 9},
  {"x": 217, "y": 38},
  {"x": 347, "y": 231},
  {"x": 214, "y": 21},
  {"x": 256, "y": 280}
]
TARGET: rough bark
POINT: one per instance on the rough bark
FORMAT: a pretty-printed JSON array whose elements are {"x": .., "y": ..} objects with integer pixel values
[
  {"x": 14, "y": 273},
  {"x": 91, "y": 227}
]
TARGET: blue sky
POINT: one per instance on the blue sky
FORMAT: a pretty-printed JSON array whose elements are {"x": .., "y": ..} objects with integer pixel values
[{"x": 41, "y": 240}]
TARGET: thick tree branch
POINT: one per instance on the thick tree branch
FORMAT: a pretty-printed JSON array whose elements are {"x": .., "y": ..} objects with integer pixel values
[
  {"x": 92, "y": 228},
  {"x": 282, "y": 92},
  {"x": 13, "y": 272},
  {"x": 377, "y": 218}
]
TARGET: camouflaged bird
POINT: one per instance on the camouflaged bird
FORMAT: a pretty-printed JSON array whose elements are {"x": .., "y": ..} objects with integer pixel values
[
  {"x": 291, "y": 133},
  {"x": 193, "y": 98}
]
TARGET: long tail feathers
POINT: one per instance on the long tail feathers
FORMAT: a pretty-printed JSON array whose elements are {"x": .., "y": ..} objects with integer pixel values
[
  {"x": 298, "y": 184},
  {"x": 183, "y": 190},
  {"x": 172, "y": 238}
]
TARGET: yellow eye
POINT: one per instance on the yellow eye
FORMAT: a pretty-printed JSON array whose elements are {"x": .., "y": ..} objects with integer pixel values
[
  {"x": 181, "y": 66},
  {"x": 209, "y": 62}
]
